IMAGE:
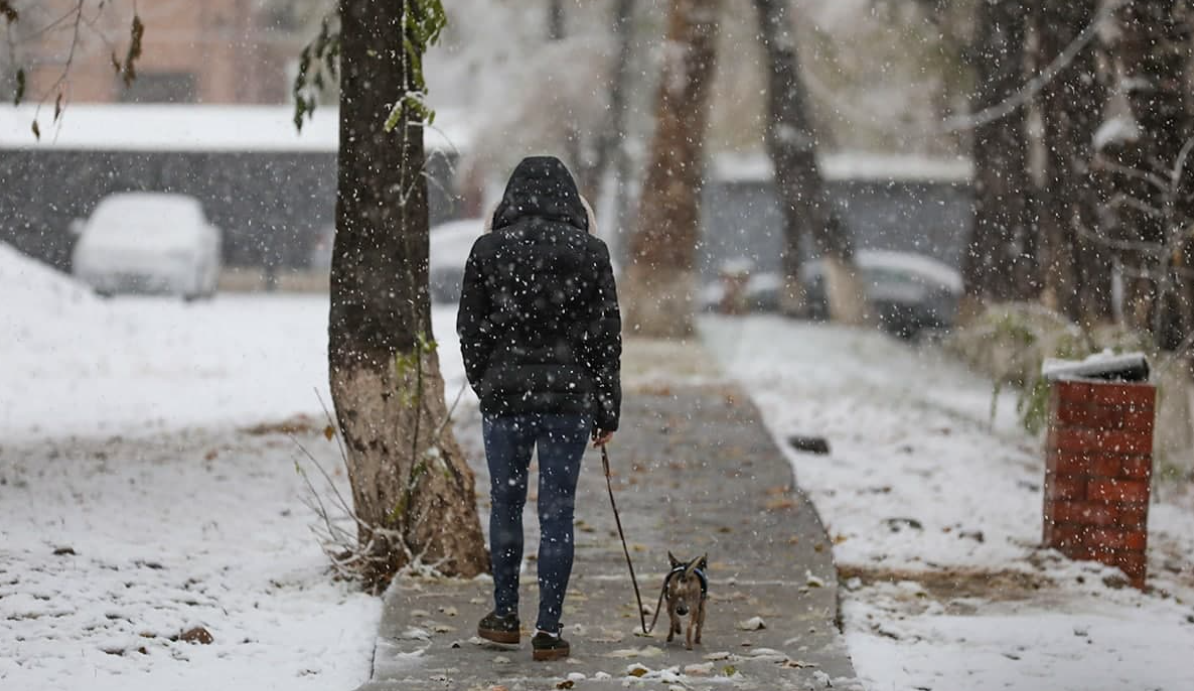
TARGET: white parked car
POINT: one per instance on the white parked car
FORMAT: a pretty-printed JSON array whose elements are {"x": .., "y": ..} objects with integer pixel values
[
  {"x": 451, "y": 244},
  {"x": 148, "y": 242}
]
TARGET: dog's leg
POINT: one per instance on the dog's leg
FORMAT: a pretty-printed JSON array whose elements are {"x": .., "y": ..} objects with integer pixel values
[
  {"x": 673, "y": 624},
  {"x": 700, "y": 617},
  {"x": 688, "y": 632}
]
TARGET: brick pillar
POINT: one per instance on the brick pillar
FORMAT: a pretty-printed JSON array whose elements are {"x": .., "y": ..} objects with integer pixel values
[{"x": 1098, "y": 465}]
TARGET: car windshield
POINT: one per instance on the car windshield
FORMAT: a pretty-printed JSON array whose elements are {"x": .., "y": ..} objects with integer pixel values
[{"x": 885, "y": 274}]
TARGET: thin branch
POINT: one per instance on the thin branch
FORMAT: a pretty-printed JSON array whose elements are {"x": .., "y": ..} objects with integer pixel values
[
  {"x": 339, "y": 497},
  {"x": 1105, "y": 163},
  {"x": 1121, "y": 200},
  {"x": 431, "y": 179},
  {"x": 36, "y": 34},
  {"x": 1035, "y": 85},
  {"x": 1179, "y": 166},
  {"x": 332, "y": 423},
  {"x": 1176, "y": 355},
  {"x": 958, "y": 123},
  {"x": 70, "y": 59},
  {"x": 451, "y": 411},
  {"x": 315, "y": 502},
  {"x": 1147, "y": 248}
]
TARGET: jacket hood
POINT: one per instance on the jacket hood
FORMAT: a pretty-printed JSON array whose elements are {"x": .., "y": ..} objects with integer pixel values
[{"x": 542, "y": 186}]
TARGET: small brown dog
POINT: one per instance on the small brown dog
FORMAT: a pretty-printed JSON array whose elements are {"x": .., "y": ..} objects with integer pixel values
[{"x": 686, "y": 588}]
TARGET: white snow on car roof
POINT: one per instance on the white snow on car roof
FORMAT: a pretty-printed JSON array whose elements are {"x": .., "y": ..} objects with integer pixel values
[
  {"x": 925, "y": 267},
  {"x": 146, "y": 203},
  {"x": 919, "y": 264},
  {"x": 125, "y": 127},
  {"x": 133, "y": 220},
  {"x": 756, "y": 167}
]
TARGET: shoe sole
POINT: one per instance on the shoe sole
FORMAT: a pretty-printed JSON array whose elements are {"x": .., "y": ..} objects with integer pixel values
[
  {"x": 550, "y": 654},
  {"x": 507, "y": 637}
]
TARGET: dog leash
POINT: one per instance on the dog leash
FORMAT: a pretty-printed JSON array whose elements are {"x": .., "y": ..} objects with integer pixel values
[{"x": 629, "y": 564}]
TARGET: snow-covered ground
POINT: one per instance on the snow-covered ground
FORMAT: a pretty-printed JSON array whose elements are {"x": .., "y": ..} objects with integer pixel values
[
  {"x": 935, "y": 513},
  {"x": 125, "y": 437},
  {"x": 72, "y": 363},
  {"x": 168, "y": 533}
]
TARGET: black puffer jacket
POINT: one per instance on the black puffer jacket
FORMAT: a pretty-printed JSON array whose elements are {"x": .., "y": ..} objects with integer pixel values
[{"x": 539, "y": 324}]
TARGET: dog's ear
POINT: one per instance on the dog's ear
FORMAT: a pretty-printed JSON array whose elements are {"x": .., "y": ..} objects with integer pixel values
[
  {"x": 703, "y": 562},
  {"x": 675, "y": 562}
]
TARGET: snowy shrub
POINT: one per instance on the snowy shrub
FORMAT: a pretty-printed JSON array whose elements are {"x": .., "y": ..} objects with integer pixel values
[{"x": 1010, "y": 341}]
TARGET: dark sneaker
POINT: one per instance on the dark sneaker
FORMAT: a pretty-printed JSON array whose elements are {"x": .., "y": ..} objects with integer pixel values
[
  {"x": 548, "y": 647},
  {"x": 499, "y": 629}
]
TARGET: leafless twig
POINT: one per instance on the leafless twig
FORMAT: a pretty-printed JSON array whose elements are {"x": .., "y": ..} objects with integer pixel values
[{"x": 351, "y": 555}]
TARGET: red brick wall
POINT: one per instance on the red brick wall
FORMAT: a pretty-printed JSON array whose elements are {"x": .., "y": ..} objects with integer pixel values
[{"x": 1098, "y": 466}]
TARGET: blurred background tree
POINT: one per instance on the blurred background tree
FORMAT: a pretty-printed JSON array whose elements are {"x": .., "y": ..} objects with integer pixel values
[
  {"x": 809, "y": 213},
  {"x": 1000, "y": 261},
  {"x": 1077, "y": 268},
  {"x": 660, "y": 279}
]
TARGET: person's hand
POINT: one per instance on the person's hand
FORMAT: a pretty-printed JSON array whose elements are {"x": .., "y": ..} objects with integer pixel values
[{"x": 602, "y": 437}]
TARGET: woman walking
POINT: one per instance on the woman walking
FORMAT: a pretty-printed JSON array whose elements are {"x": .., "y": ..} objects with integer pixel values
[{"x": 541, "y": 336}]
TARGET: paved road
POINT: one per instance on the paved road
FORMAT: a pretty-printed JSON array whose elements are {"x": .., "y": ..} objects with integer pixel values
[{"x": 696, "y": 472}]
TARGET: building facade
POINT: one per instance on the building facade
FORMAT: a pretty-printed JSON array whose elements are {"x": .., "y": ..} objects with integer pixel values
[{"x": 193, "y": 51}]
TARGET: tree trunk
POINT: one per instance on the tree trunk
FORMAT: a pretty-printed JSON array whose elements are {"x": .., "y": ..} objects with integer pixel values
[
  {"x": 1078, "y": 271},
  {"x": 1153, "y": 55},
  {"x": 410, "y": 483},
  {"x": 609, "y": 144},
  {"x": 808, "y": 211},
  {"x": 591, "y": 169},
  {"x": 999, "y": 263},
  {"x": 660, "y": 277},
  {"x": 623, "y": 166},
  {"x": 556, "y": 28}
]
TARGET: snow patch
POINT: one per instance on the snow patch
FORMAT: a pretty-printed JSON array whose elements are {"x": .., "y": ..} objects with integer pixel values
[
  {"x": 201, "y": 128},
  {"x": 756, "y": 167},
  {"x": 72, "y": 363},
  {"x": 113, "y": 548}
]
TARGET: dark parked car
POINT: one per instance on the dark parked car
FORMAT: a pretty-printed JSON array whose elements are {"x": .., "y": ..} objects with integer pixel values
[{"x": 909, "y": 293}]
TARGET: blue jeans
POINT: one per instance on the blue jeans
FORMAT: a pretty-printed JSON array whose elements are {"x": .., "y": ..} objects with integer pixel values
[{"x": 509, "y": 439}]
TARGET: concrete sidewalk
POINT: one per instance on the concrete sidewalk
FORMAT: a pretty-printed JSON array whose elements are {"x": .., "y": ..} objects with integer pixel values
[{"x": 696, "y": 472}]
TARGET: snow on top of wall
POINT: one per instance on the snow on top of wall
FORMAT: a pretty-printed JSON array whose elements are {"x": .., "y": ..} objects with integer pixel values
[
  {"x": 756, "y": 167},
  {"x": 1094, "y": 365},
  {"x": 197, "y": 128}
]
